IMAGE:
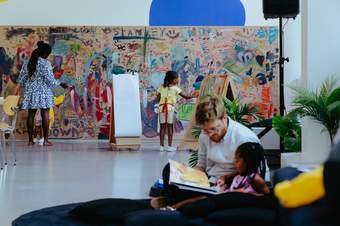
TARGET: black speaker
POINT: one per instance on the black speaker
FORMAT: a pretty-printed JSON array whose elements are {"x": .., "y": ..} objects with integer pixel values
[{"x": 280, "y": 8}]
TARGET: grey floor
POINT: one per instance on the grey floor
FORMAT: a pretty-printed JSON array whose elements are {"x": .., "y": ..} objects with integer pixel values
[{"x": 72, "y": 172}]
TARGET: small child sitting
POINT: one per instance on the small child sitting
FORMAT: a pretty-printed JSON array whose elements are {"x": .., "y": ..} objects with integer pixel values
[{"x": 248, "y": 178}]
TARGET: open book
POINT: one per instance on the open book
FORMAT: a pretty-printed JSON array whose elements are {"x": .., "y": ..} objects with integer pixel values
[{"x": 187, "y": 178}]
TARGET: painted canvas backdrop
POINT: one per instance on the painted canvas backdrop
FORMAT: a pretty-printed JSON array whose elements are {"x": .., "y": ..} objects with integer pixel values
[{"x": 85, "y": 57}]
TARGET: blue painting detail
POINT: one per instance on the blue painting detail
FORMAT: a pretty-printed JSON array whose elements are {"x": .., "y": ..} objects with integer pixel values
[
  {"x": 197, "y": 13},
  {"x": 5, "y": 65}
]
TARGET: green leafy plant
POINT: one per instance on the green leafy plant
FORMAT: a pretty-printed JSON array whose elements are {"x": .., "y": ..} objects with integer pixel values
[
  {"x": 242, "y": 113},
  {"x": 193, "y": 159},
  {"x": 196, "y": 131},
  {"x": 289, "y": 129},
  {"x": 322, "y": 105}
]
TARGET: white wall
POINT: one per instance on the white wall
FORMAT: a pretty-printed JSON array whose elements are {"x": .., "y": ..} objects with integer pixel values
[
  {"x": 254, "y": 14},
  {"x": 75, "y": 12},
  {"x": 323, "y": 40},
  {"x": 101, "y": 12},
  {"x": 320, "y": 59}
]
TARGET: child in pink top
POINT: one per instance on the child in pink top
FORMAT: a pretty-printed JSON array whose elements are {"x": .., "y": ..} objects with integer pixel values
[
  {"x": 250, "y": 167},
  {"x": 250, "y": 170}
]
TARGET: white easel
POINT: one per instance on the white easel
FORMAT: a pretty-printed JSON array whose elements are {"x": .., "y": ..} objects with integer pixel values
[{"x": 126, "y": 122}]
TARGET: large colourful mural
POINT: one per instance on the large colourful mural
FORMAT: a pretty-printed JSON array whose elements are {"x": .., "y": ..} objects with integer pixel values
[{"x": 87, "y": 57}]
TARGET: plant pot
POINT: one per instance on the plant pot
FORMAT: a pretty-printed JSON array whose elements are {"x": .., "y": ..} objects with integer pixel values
[
  {"x": 290, "y": 158},
  {"x": 316, "y": 143}
]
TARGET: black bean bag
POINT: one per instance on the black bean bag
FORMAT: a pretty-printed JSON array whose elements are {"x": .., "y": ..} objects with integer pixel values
[
  {"x": 331, "y": 177},
  {"x": 52, "y": 216},
  {"x": 230, "y": 217},
  {"x": 230, "y": 200},
  {"x": 161, "y": 218},
  {"x": 243, "y": 217},
  {"x": 319, "y": 213},
  {"x": 108, "y": 210},
  {"x": 104, "y": 212},
  {"x": 64, "y": 216}
]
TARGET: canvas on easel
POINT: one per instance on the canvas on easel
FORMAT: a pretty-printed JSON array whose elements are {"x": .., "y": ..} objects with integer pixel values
[
  {"x": 126, "y": 123},
  {"x": 219, "y": 85}
]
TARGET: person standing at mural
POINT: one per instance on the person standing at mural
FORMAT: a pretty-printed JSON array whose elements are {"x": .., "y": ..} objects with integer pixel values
[
  {"x": 167, "y": 97},
  {"x": 37, "y": 79}
]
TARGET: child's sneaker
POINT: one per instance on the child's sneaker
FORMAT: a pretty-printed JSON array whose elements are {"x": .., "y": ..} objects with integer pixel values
[
  {"x": 171, "y": 149},
  {"x": 41, "y": 141},
  {"x": 161, "y": 148},
  {"x": 168, "y": 208}
]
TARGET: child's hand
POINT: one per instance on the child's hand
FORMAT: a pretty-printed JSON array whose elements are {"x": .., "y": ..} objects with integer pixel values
[
  {"x": 195, "y": 94},
  {"x": 221, "y": 184}
]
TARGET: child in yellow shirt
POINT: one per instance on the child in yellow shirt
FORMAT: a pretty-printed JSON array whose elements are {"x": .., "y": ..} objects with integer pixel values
[{"x": 167, "y": 97}]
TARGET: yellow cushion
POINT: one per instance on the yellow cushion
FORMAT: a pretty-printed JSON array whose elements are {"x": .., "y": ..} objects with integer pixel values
[{"x": 302, "y": 190}]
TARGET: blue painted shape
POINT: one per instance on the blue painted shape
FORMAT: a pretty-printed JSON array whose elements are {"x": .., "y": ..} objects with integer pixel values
[
  {"x": 5, "y": 65},
  {"x": 197, "y": 13}
]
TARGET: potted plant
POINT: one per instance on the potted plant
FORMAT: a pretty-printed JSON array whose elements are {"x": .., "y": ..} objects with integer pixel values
[
  {"x": 288, "y": 127},
  {"x": 322, "y": 105},
  {"x": 242, "y": 113}
]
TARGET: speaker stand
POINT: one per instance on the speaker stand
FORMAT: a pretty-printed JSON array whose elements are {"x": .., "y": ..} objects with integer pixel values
[{"x": 281, "y": 78}]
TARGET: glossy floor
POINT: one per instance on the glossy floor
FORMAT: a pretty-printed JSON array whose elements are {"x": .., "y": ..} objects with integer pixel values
[{"x": 76, "y": 172}]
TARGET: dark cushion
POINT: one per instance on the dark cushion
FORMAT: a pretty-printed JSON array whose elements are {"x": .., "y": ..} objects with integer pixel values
[
  {"x": 52, "y": 216},
  {"x": 108, "y": 210},
  {"x": 243, "y": 216},
  {"x": 230, "y": 200},
  {"x": 332, "y": 183},
  {"x": 315, "y": 214},
  {"x": 161, "y": 218},
  {"x": 286, "y": 173}
]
